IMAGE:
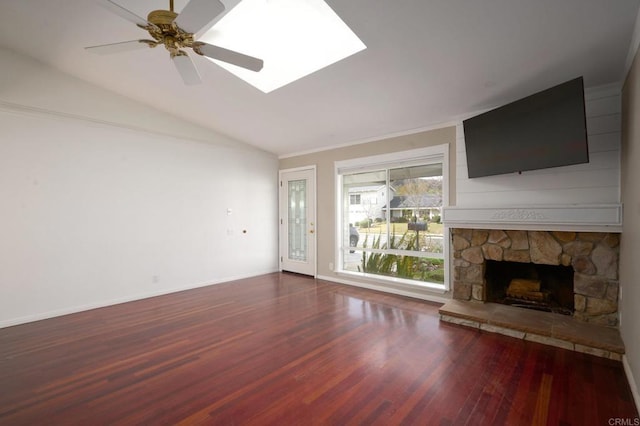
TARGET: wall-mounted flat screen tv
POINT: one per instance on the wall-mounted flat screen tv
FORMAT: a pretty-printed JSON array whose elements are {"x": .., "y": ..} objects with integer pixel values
[{"x": 547, "y": 129}]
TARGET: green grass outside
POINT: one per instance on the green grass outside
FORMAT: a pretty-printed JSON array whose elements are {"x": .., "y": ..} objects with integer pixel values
[{"x": 400, "y": 228}]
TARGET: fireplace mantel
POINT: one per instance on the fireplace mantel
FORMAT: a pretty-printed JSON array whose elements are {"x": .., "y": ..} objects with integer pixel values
[{"x": 579, "y": 218}]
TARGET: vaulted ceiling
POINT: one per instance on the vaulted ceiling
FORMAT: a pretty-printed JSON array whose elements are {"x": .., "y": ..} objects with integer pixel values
[{"x": 426, "y": 63}]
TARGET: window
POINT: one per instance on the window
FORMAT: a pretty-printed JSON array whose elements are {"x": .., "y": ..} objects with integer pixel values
[
  {"x": 401, "y": 238},
  {"x": 354, "y": 199}
]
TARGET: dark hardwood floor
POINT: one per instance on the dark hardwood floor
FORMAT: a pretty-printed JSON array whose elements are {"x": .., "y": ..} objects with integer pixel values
[{"x": 284, "y": 349}]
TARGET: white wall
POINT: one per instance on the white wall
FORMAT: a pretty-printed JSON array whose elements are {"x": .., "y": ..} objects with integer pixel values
[
  {"x": 630, "y": 242},
  {"x": 597, "y": 182},
  {"x": 104, "y": 200}
]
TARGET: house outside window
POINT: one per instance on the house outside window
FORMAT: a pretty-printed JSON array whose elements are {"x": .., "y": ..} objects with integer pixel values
[{"x": 400, "y": 237}]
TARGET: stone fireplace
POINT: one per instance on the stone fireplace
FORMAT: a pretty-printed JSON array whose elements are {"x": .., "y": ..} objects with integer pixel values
[{"x": 592, "y": 259}]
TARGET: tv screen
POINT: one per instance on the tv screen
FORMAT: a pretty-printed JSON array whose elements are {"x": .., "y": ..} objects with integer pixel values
[{"x": 547, "y": 129}]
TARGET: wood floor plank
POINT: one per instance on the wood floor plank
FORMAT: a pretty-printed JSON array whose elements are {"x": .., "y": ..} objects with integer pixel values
[
  {"x": 285, "y": 349},
  {"x": 541, "y": 410}
]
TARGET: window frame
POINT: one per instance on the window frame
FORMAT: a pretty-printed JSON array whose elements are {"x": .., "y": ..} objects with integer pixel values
[{"x": 408, "y": 158}]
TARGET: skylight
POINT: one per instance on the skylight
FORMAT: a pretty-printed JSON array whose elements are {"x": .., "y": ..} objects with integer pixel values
[{"x": 294, "y": 38}]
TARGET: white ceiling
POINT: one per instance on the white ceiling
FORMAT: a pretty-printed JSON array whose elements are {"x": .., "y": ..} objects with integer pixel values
[{"x": 426, "y": 62}]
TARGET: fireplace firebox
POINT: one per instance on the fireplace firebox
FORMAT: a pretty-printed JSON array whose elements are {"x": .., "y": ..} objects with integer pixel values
[{"x": 528, "y": 285}]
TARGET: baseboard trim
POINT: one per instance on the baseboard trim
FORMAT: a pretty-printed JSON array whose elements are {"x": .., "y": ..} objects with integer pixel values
[
  {"x": 408, "y": 293},
  {"x": 632, "y": 382},
  {"x": 102, "y": 304}
]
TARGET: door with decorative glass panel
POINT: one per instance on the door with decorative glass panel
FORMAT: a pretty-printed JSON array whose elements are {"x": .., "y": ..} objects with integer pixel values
[{"x": 298, "y": 220}]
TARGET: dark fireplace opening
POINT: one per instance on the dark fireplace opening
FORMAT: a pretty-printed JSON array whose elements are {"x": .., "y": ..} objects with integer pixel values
[{"x": 528, "y": 285}]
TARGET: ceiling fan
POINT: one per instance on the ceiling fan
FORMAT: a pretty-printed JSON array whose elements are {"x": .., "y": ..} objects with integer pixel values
[{"x": 176, "y": 32}]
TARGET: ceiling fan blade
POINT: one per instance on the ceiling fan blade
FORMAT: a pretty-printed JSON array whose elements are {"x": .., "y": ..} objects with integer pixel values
[
  {"x": 124, "y": 46},
  {"x": 187, "y": 69},
  {"x": 230, "y": 56},
  {"x": 125, "y": 13},
  {"x": 198, "y": 13}
]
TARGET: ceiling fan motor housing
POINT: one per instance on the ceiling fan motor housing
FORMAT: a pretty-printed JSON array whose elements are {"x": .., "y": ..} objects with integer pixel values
[{"x": 162, "y": 17}]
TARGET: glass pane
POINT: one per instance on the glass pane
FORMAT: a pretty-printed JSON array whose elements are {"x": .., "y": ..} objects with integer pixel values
[
  {"x": 364, "y": 208},
  {"x": 297, "y": 219},
  {"x": 415, "y": 208}
]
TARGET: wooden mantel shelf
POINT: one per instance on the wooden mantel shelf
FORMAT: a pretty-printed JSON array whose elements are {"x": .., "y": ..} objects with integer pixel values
[{"x": 575, "y": 217}]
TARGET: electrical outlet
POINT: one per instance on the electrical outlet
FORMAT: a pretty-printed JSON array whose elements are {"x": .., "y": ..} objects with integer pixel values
[{"x": 331, "y": 266}]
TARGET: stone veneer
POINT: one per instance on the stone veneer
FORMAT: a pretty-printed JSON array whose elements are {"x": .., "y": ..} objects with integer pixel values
[{"x": 593, "y": 256}]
